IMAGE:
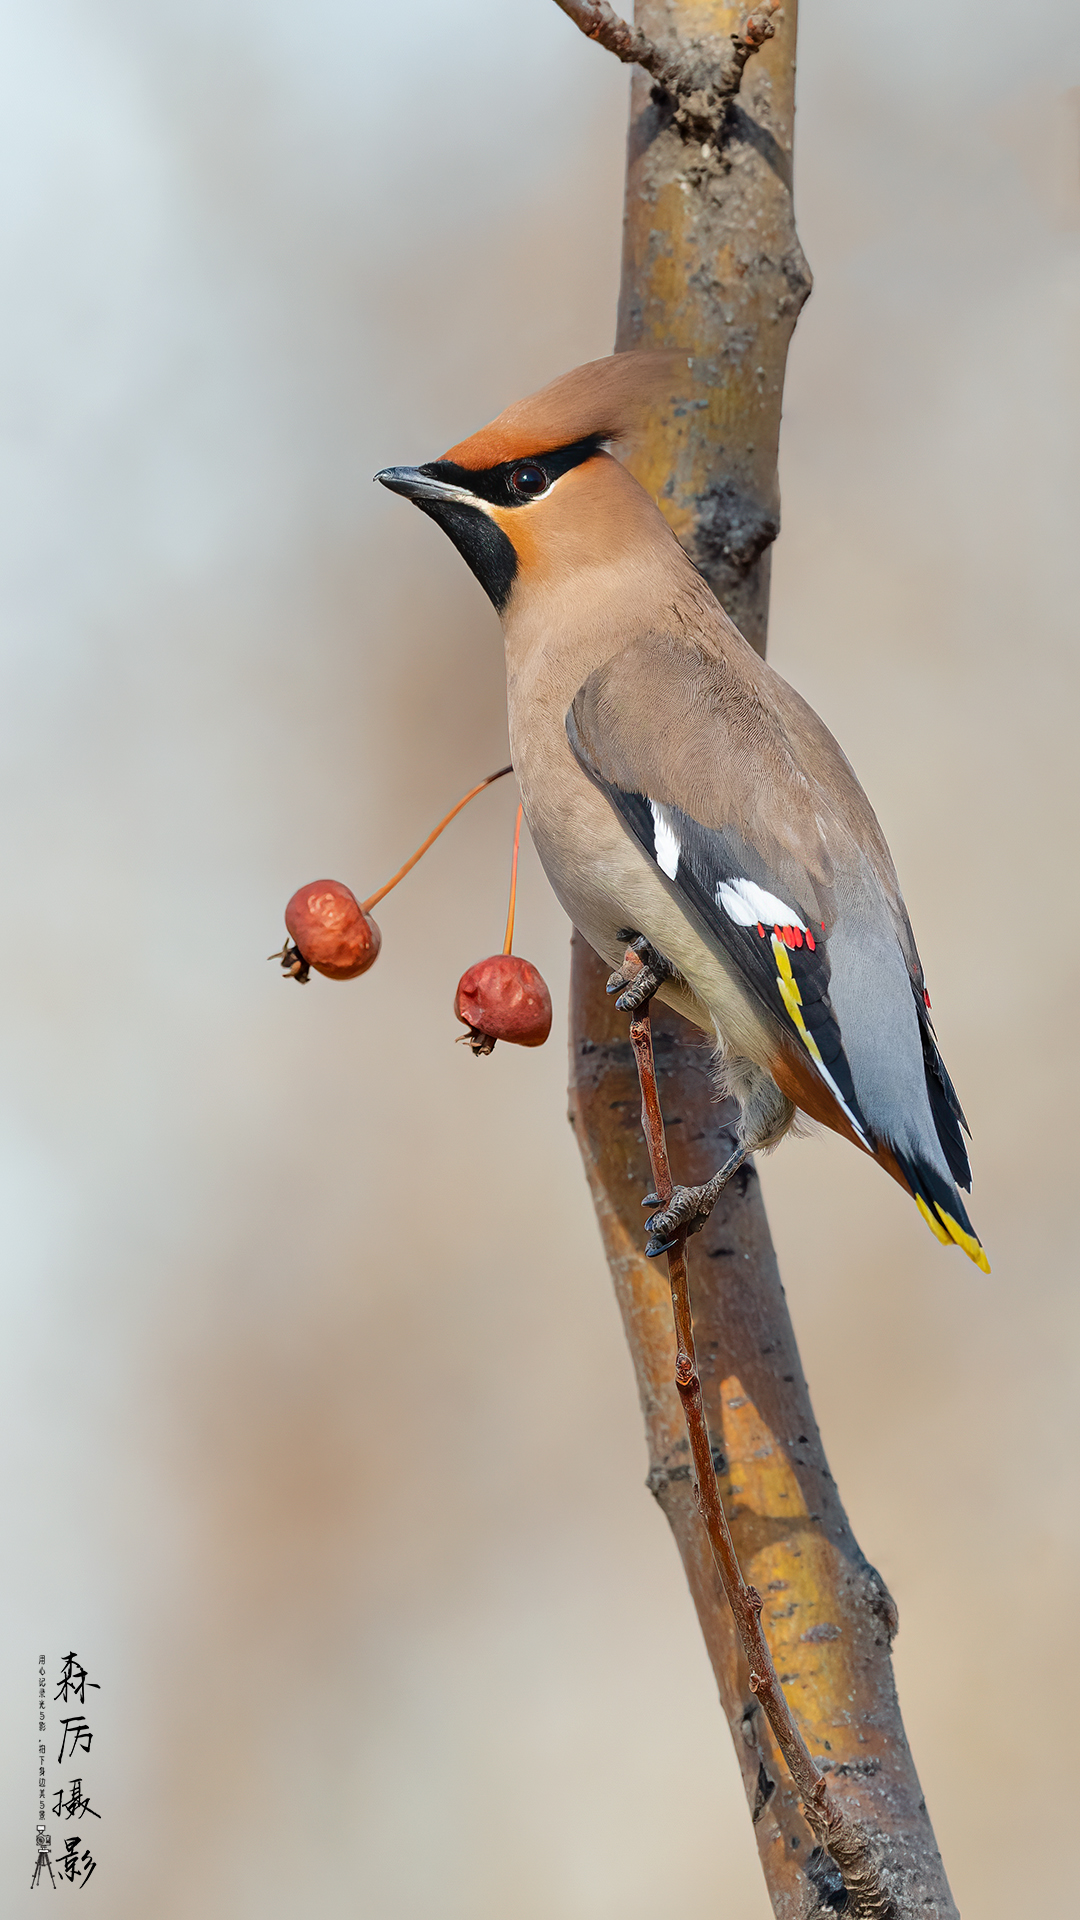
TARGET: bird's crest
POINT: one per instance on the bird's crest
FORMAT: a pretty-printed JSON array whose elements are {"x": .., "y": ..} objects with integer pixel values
[{"x": 612, "y": 399}]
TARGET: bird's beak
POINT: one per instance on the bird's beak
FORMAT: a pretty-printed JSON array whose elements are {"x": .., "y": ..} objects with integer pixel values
[{"x": 415, "y": 484}]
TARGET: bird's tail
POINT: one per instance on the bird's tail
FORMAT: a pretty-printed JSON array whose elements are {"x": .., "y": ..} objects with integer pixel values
[{"x": 941, "y": 1207}]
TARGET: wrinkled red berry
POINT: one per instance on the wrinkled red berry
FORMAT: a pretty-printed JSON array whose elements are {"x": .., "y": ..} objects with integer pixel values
[
  {"x": 332, "y": 932},
  {"x": 504, "y": 998}
]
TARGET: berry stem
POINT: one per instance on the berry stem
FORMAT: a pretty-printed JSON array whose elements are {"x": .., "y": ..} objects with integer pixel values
[
  {"x": 513, "y": 884},
  {"x": 366, "y": 905}
]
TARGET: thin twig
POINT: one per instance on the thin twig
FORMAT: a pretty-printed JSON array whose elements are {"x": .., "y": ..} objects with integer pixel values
[
  {"x": 373, "y": 899},
  {"x": 509, "y": 939},
  {"x": 701, "y": 79},
  {"x": 598, "y": 21},
  {"x": 831, "y": 1826}
]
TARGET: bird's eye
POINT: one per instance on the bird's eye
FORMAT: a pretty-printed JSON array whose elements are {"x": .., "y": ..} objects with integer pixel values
[{"x": 529, "y": 479}]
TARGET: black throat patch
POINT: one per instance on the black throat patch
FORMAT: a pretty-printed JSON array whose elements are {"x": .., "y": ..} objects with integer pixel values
[{"x": 482, "y": 545}]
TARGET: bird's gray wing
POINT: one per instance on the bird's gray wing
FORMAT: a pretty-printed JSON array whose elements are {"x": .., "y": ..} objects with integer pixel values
[{"x": 739, "y": 795}]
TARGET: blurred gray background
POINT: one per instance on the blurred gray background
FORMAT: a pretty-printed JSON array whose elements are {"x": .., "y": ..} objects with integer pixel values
[{"x": 320, "y": 1441}]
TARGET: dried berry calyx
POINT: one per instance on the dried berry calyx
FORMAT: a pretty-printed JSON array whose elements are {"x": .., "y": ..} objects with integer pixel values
[
  {"x": 503, "y": 998},
  {"x": 331, "y": 932}
]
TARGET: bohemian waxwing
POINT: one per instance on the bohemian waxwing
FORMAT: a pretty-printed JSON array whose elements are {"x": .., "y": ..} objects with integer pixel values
[{"x": 683, "y": 797}]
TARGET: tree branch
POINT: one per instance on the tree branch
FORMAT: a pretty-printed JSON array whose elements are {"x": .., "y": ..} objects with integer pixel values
[
  {"x": 712, "y": 266},
  {"x": 702, "y": 79},
  {"x": 831, "y": 1826}
]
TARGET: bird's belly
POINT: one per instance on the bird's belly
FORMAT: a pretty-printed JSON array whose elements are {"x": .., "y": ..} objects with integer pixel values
[{"x": 607, "y": 884}]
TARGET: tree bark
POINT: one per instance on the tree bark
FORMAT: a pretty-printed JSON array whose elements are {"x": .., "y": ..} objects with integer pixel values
[{"x": 712, "y": 264}]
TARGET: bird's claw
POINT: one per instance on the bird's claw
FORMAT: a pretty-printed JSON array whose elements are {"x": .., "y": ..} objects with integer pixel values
[
  {"x": 654, "y": 1248},
  {"x": 634, "y": 989},
  {"x": 688, "y": 1207}
]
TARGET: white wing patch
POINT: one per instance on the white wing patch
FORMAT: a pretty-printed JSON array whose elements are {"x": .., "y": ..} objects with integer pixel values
[
  {"x": 746, "y": 903},
  {"x": 666, "y": 842}
]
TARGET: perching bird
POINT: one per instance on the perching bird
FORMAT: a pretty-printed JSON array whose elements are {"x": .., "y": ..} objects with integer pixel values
[{"x": 683, "y": 798}]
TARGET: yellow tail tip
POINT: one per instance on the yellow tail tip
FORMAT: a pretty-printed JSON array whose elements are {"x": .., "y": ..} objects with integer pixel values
[
  {"x": 935, "y": 1226},
  {"x": 972, "y": 1247}
]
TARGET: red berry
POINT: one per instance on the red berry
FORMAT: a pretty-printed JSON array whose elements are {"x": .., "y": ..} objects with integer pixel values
[
  {"x": 332, "y": 932},
  {"x": 504, "y": 998}
]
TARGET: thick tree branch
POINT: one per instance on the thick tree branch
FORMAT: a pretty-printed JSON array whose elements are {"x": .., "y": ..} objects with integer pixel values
[
  {"x": 712, "y": 266},
  {"x": 828, "y": 1821},
  {"x": 827, "y": 1616},
  {"x": 702, "y": 79}
]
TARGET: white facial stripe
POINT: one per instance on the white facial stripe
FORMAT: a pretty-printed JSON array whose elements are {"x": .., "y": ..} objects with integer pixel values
[
  {"x": 667, "y": 846},
  {"x": 746, "y": 903},
  {"x": 445, "y": 490}
]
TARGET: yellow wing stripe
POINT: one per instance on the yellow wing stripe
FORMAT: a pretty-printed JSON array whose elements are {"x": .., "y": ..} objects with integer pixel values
[{"x": 792, "y": 999}]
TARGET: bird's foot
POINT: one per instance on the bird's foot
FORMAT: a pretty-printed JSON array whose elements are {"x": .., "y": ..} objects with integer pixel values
[
  {"x": 636, "y": 987},
  {"x": 688, "y": 1207}
]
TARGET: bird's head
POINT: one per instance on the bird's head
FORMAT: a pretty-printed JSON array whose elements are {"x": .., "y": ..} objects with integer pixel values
[{"x": 536, "y": 495}]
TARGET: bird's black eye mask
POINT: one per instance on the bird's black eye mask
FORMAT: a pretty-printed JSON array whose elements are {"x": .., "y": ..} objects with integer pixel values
[{"x": 515, "y": 482}]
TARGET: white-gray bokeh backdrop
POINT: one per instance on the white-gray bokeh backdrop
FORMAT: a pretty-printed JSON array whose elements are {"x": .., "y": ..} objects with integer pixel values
[{"x": 320, "y": 1444}]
